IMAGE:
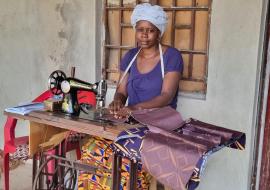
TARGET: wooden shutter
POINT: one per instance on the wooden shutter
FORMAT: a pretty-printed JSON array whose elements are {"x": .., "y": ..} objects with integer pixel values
[{"x": 187, "y": 30}]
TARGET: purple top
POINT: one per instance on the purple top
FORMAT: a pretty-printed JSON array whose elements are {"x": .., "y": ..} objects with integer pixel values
[{"x": 144, "y": 87}]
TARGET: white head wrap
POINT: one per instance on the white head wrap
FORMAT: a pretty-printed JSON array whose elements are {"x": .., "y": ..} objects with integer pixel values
[{"x": 153, "y": 14}]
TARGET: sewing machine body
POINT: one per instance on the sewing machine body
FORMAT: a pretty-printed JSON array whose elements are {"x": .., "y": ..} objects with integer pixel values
[{"x": 69, "y": 87}]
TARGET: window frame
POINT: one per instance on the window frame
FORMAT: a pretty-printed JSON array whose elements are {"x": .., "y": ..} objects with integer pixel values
[{"x": 190, "y": 52}]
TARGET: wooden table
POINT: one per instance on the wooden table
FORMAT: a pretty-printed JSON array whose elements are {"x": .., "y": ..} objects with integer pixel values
[{"x": 104, "y": 130}]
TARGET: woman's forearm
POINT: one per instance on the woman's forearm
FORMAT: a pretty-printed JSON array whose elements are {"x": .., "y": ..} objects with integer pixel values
[
  {"x": 120, "y": 97},
  {"x": 159, "y": 101}
]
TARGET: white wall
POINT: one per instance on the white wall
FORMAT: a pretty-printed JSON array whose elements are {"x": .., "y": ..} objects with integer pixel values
[
  {"x": 233, "y": 62},
  {"x": 38, "y": 37}
]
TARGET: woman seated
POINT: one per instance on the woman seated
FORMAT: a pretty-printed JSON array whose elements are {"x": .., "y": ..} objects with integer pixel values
[{"x": 149, "y": 78}]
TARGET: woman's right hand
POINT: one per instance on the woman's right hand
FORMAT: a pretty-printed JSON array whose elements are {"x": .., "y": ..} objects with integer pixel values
[{"x": 115, "y": 106}]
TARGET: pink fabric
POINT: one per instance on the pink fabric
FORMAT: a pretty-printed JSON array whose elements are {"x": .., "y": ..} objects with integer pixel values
[
  {"x": 110, "y": 117},
  {"x": 165, "y": 118},
  {"x": 173, "y": 147},
  {"x": 170, "y": 160}
]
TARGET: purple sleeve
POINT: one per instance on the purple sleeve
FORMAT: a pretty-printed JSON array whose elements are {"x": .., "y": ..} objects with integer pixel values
[
  {"x": 127, "y": 58},
  {"x": 174, "y": 61}
]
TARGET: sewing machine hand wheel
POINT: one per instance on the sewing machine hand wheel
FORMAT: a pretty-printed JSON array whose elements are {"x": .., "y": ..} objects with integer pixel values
[{"x": 55, "y": 80}]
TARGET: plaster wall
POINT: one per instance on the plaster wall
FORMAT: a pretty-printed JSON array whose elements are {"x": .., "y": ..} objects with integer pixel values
[
  {"x": 38, "y": 37},
  {"x": 232, "y": 72}
]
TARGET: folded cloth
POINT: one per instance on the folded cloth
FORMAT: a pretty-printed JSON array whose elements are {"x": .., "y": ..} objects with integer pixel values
[
  {"x": 178, "y": 158},
  {"x": 165, "y": 118},
  {"x": 26, "y": 108},
  {"x": 174, "y": 151},
  {"x": 228, "y": 137}
]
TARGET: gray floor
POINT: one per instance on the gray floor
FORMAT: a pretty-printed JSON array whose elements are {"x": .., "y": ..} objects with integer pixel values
[{"x": 20, "y": 178}]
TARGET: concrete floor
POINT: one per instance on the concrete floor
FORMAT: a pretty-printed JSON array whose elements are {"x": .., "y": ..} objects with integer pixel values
[{"x": 20, "y": 178}]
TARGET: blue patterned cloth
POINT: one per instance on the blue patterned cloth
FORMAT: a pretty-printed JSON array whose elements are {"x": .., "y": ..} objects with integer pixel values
[{"x": 129, "y": 142}]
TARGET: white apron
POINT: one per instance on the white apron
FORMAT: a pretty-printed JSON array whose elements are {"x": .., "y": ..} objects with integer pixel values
[{"x": 133, "y": 59}]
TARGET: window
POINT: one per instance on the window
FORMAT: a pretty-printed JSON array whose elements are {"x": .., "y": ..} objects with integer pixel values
[{"x": 187, "y": 30}]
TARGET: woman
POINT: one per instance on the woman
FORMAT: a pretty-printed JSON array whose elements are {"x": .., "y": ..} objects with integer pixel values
[
  {"x": 151, "y": 72},
  {"x": 149, "y": 78}
]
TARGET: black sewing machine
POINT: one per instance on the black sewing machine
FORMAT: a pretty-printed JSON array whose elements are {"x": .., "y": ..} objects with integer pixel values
[{"x": 58, "y": 84}]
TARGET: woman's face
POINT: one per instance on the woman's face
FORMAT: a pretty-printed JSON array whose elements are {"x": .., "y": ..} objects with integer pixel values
[{"x": 147, "y": 34}]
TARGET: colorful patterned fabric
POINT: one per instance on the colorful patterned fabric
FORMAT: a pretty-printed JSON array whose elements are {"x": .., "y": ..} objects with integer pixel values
[{"x": 97, "y": 151}]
